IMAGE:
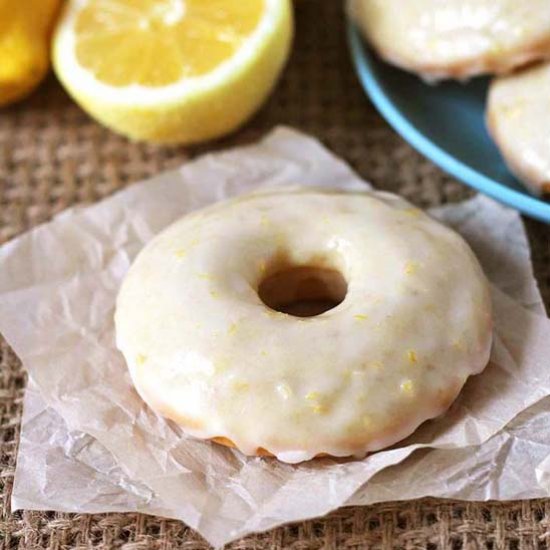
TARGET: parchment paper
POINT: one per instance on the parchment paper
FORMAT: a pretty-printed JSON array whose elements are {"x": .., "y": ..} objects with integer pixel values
[{"x": 89, "y": 444}]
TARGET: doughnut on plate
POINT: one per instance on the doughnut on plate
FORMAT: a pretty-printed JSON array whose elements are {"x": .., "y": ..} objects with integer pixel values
[
  {"x": 456, "y": 38},
  {"x": 301, "y": 322},
  {"x": 444, "y": 122},
  {"x": 518, "y": 117}
]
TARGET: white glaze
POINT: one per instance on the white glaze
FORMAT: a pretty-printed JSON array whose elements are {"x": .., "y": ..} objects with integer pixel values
[
  {"x": 204, "y": 350},
  {"x": 456, "y": 38},
  {"x": 518, "y": 116}
]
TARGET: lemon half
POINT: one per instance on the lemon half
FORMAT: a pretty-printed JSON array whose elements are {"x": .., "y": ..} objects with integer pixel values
[{"x": 172, "y": 71}]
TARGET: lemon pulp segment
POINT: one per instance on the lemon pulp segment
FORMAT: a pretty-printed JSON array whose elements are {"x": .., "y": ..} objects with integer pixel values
[{"x": 190, "y": 37}]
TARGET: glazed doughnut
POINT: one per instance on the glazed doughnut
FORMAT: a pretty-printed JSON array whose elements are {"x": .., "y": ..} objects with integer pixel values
[
  {"x": 301, "y": 322},
  {"x": 456, "y": 38},
  {"x": 518, "y": 117}
]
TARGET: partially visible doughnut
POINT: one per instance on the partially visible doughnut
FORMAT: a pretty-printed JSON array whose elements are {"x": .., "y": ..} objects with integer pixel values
[
  {"x": 456, "y": 38},
  {"x": 302, "y": 322},
  {"x": 518, "y": 118}
]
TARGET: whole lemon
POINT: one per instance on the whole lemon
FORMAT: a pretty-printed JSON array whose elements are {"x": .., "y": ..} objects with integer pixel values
[{"x": 25, "y": 27}]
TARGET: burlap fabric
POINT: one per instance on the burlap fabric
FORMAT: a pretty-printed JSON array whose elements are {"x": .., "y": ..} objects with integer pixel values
[{"x": 53, "y": 156}]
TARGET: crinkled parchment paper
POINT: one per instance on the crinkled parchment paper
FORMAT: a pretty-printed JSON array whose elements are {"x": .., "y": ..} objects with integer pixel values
[{"x": 89, "y": 444}]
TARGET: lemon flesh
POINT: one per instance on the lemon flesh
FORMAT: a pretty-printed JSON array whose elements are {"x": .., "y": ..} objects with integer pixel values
[{"x": 172, "y": 71}]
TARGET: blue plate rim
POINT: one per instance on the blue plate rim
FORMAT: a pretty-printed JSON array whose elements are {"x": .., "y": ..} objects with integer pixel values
[{"x": 362, "y": 61}]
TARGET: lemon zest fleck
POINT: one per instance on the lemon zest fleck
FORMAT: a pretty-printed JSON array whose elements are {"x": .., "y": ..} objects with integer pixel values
[
  {"x": 376, "y": 365},
  {"x": 411, "y": 268},
  {"x": 407, "y": 386},
  {"x": 414, "y": 212},
  {"x": 274, "y": 314},
  {"x": 221, "y": 366},
  {"x": 513, "y": 110},
  {"x": 458, "y": 344},
  {"x": 239, "y": 385}
]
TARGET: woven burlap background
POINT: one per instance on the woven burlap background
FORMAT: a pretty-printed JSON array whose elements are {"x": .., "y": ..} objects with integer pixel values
[{"x": 53, "y": 156}]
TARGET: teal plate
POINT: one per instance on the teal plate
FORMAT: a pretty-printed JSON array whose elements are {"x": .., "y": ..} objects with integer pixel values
[{"x": 444, "y": 122}]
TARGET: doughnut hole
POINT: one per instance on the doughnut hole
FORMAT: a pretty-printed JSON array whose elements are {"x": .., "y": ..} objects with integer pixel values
[{"x": 303, "y": 291}]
